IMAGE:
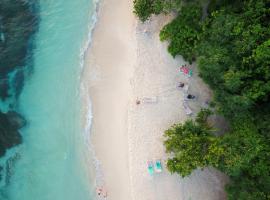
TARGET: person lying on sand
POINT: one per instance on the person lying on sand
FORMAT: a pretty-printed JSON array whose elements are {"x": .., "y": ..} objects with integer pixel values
[
  {"x": 181, "y": 85},
  {"x": 190, "y": 96},
  {"x": 99, "y": 190}
]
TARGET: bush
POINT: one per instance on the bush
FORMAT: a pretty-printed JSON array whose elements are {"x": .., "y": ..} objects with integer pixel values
[
  {"x": 233, "y": 50},
  {"x": 143, "y": 9},
  {"x": 183, "y": 32},
  {"x": 192, "y": 146}
]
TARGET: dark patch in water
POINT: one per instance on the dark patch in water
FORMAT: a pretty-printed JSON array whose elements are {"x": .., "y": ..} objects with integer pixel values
[
  {"x": 10, "y": 123},
  {"x": 3, "y": 195},
  {"x": 4, "y": 88},
  {"x": 18, "y": 24}
]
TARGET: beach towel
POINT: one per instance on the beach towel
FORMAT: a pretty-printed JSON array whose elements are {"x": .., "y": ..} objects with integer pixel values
[
  {"x": 149, "y": 100},
  {"x": 186, "y": 71}
]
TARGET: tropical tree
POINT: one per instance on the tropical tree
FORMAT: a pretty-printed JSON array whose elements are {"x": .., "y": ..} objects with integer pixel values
[
  {"x": 192, "y": 146},
  {"x": 231, "y": 44},
  {"x": 183, "y": 32}
]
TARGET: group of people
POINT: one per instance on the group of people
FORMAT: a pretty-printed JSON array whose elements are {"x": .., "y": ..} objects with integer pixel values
[
  {"x": 189, "y": 96},
  {"x": 101, "y": 192}
]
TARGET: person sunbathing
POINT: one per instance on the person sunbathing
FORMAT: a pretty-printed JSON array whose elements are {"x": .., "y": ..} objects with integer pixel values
[
  {"x": 181, "y": 85},
  {"x": 102, "y": 192},
  {"x": 99, "y": 191},
  {"x": 190, "y": 96}
]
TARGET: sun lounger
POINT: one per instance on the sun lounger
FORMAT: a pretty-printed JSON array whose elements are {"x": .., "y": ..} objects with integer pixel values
[
  {"x": 150, "y": 167},
  {"x": 149, "y": 100},
  {"x": 185, "y": 88},
  {"x": 190, "y": 73},
  {"x": 186, "y": 108},
  {"x": 158, "y": 166}
]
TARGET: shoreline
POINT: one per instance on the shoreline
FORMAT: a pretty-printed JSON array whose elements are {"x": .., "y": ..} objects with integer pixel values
[
  {"x": 106, "y": 78},
  {"x": 124, "y": 62}
]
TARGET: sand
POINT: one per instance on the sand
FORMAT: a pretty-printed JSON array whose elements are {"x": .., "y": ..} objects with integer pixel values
[
  {"x": 156, "y": 75},
  {"x": 109, "y": 66},
  {"x": 127, "y": 62}
]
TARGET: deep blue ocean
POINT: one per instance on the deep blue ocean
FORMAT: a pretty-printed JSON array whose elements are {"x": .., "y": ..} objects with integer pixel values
[{"x": 49, "y": 163}]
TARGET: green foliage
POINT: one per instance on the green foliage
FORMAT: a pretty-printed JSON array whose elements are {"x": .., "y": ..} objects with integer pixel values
[
  {"x": 242, "y": 154},
  {"x": 244, "y": 187},
  {"x": 232, "y": 47},
  {"x": 242, "y": 145},
  {"x": 158, "y": 6},
  {"x": 234, "y": 56},
  {"x": 233, "y": 5},
  {"x": 234, "y": 60},
  {"x": 250, "y": 174},
  {"x": 143, "y": 9},
  {"x": 233, "y": 81},
  {"x": 262, "y": 120},
  {"x": 202, "y": 117},
  {"x": 192, "y": 146},
  {"x": 183, "y": 32}
]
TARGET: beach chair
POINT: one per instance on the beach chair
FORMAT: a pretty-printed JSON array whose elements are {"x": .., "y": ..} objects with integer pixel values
[
  {"x": 158, "y": 166},
  {"x": 190, "y": 73},
  {"x": 188, "y": 111},
  {"x": 150, "y": 100},
  {"x": 150, "y": 167},
  {"x": 185, "y": 88}
]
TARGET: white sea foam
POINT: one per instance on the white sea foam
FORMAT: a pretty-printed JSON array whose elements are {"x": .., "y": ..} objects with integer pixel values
[
  {"x": 90, "y": 157},
  {"x": 53, "y": 145}
]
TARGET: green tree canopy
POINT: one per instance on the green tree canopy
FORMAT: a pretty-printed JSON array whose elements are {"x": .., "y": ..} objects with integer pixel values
[
  {"x": 184, "y": 32},
  {"x": 234, "y": 56},
  {"x": 192, "y": 145},
  {"x": 231, "y": 42}
]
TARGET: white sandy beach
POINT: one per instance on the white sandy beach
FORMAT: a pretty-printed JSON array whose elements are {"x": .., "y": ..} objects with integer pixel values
[{"x": 127, "y": 62}]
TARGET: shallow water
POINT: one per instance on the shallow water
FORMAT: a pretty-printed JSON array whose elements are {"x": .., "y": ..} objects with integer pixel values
[{"x": 49, "y": 164}]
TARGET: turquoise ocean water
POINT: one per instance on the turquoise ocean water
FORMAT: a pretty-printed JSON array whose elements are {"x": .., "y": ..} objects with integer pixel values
[{"x": 49, "y": 164}]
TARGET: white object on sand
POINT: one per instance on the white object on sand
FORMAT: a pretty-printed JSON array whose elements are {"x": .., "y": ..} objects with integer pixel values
[
  {"x": 186, "y": 108},
  {"x": 185, "y": 88},
  {"x": 150, "y": 100}
]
